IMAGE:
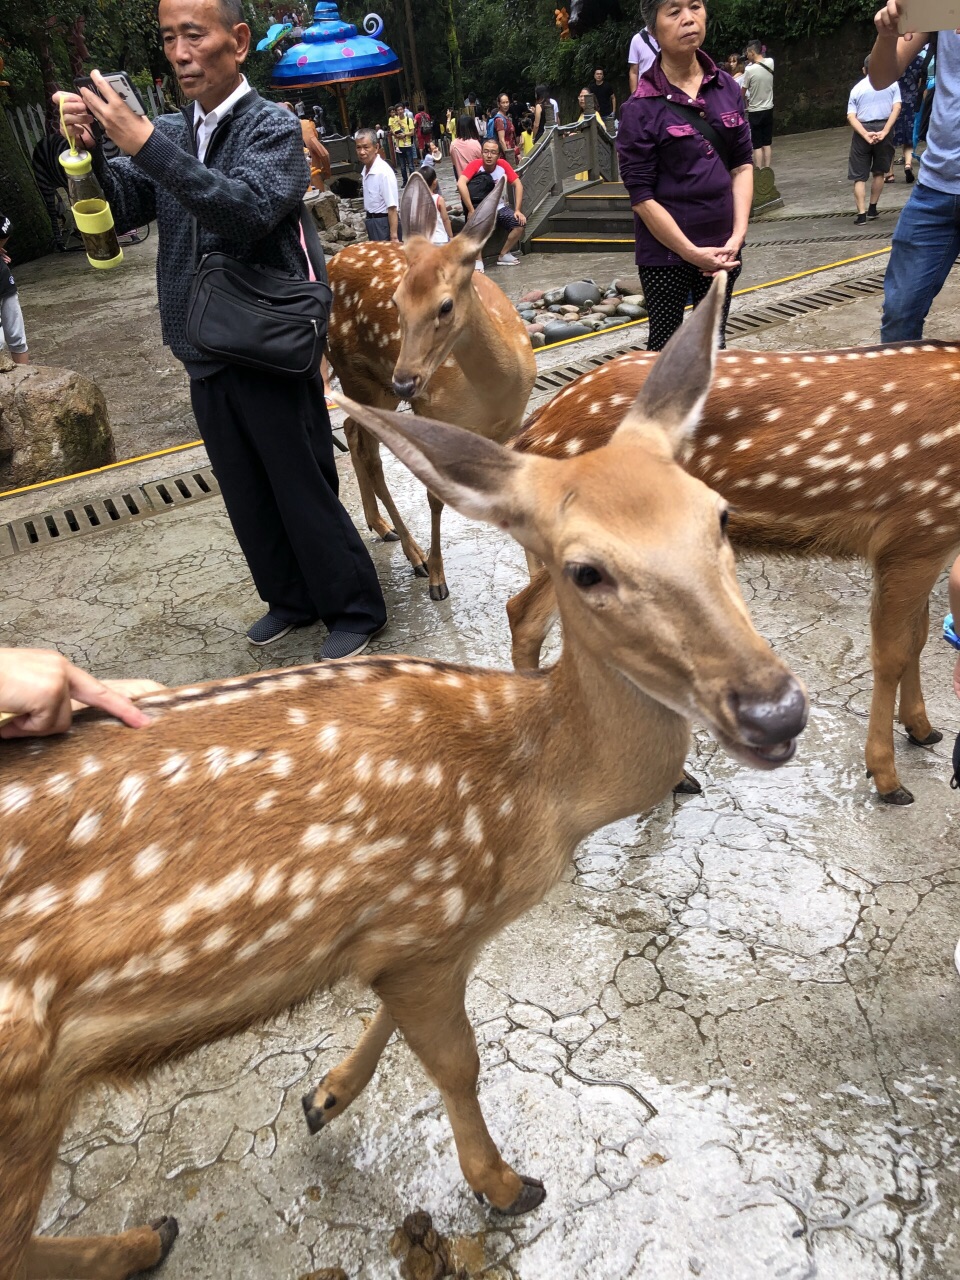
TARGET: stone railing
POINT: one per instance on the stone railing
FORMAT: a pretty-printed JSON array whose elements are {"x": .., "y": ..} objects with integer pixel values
[{"x": 564, "y": 151}]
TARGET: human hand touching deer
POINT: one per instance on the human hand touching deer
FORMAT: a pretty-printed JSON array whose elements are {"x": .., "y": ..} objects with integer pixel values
[{"x": 40, "y": 690}]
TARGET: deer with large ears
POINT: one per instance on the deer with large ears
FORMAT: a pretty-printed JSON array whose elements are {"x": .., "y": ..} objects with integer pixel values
[
  {"x": 416, "y": 322},
  {"x": 315, "y": 849}
]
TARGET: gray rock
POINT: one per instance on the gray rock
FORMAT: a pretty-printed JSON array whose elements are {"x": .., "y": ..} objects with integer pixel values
[
  {"x": 555, "y": 308},
  {"x": 582, "y": 292},
  {"x": 631, "y": 311},
  {"x": 628, "y": 286},
  {"x": 557, "y": 332},
  {"x": 553, "y": 296},
  {"x": 537, "y": 340},
  {"x": 325, "y": 209},
  {"x": 53, "y": 422},
  {"x": 634, "y": 299}
]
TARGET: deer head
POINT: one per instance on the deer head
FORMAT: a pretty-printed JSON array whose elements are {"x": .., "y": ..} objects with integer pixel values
[
  {"x": 636, "y": 547},
  {"x": 435, "y": 294}
]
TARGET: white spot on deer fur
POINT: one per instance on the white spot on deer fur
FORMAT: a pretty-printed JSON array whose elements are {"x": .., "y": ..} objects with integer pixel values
[
  {"x": 421, "y": 870},
  {"x": 269, "y": 885},
  {"x": 129, "y": 791},
  {"x": 328, "y": 736},
  {"x": 14, "y": 797},
  {"x": 463, "y": 787},
  {"x": 864, "y": 405},
  {"x": 265, "y": 802},
  {"x": 774, "y": 414},
  {"x": 89, "y": 888},
  {"x": 12, "y": 858},
  {"x": 148, "y": 861},
  {"x": 218, "y": 939},
  {"x": 301, "y": 883},
  {"x": 21, "y": 954},
  {"x": 790, "y": 482},
  {"x": 296, "y": 715},
  {"x": 439, "y": 838},
  {"x": 849, "y": 397},
  {"x": 454, "y": 905},
  {"x": 172, "y": 961},
  {"x": 433, "y": 775},
  {"x": 507, "y": 806},
  {"x": 282, "y": 765},
  {"x": 42, "y": 901},
  {"x": 820, "y": 420},
  {"x": 472, "y": 826},
  {"x": 172, "y": 767},
  {"x": 574, "y": 446},
  {"x": 768, "y": 478},
  {"x": 358, "y": 673},
  {"x": 733, "y": 413},
  {"x": 925, "y": 516},
  {"x": 745, "y": 443},
  {"x": 807, "y": 432},
  {"x": 59, "y": 784},
  {"x": 86, "y": 828},
  {"x": 376, "y": 848},
  {"x": 353, "y": 804}
]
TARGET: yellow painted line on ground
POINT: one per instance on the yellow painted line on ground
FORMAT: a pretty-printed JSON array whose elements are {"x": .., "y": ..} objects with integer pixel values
[
  {"x": 737, "y": 293},
  {"x": 95, "y": 471},
  {"x": 564, "y": 342}
]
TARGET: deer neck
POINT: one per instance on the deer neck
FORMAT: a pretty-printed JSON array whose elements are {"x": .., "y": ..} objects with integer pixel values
[
  {"x": 480, "y": 347},
  {"x": 618, "y": 750}
]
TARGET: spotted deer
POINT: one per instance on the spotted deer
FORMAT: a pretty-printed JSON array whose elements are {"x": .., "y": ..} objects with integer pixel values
[
  {"x": 417, "y": 322},
  {"x": 821, "y": 453},
  {"x": 316, "y": 849}
]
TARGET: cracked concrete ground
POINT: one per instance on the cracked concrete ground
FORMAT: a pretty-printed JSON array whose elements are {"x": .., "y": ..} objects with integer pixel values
[{"x": 727, "y": 1041}]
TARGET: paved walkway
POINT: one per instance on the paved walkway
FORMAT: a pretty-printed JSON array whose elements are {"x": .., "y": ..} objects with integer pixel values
[{"x": 727, "y": 1041}]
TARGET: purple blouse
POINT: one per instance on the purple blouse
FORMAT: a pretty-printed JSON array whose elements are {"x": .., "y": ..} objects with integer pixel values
[{"x": 664, "y": 158}]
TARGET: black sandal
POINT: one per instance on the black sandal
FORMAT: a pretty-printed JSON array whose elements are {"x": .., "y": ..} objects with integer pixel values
[{"x": 908, "y": 173}]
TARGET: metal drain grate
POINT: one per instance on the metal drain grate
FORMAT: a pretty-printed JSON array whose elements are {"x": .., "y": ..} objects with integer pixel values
[
  {"x": 740, "y": 323},
  {"x": 100, "y": 514}
]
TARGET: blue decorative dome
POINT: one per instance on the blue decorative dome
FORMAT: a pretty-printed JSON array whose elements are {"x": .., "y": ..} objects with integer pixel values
[{"x": 334, "y": 52}]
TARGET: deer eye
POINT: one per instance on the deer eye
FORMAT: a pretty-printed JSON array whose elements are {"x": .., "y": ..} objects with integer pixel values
[
  {"x": 584, "y": 576},
  {"x": 446, "y": 306}
]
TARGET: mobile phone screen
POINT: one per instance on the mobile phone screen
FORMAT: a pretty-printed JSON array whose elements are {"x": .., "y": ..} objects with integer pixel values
[{"x": 929, "y": 15}]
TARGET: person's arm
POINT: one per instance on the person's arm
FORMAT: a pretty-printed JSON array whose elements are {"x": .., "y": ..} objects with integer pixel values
[
  {"x": 393, "y": 222},
  {"x": 613, "y": 104},
  {"x": 444, "y": 217},
  {"x": 464, "y": 194},
  {"x": 501, "y": 131},
  {"x": 891, "y": 119},
  {"x": 892, "y": 53},
  {"x": 857, "y": 127},
  {"x": 633, "y": 73},
  {"x": 741, "y": 179},
  {"x": 39, "y": 687},
  {"x": 518, "y": 201},
  {"x": 663, "y": 227},
  {"x": 129, "y": 192}
]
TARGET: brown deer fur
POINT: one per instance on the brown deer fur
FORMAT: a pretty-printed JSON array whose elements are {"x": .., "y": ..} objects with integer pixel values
[
  {"x": 318, "y": 847},
  {"x": 833, "y": 453},
  {"x": 417, "y": 322}
]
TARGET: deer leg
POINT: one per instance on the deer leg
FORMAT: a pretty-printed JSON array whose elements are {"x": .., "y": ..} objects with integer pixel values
[
  {"x": 427, "y": 1005},
  {"x": 369, "y": 447},
  {"x": 531, "y": 613},
  {"x": 438, "y": 583},
  {"x": 101, "y": 1257},
  {"x": 899, "y": 603},
  {"x": 913, "y": 711},
  {"x": 345, "y": 1082},
  {"x": 371, "y": 512}
]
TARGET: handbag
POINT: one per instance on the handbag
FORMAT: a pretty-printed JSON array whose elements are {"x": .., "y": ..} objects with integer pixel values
[{"x": 259, "y": 317}]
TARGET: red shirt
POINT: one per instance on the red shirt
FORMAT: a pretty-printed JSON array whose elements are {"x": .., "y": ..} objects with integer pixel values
[{"x": 500, "y": 170}]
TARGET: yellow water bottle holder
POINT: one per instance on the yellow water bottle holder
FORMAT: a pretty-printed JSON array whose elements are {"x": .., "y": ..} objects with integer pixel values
[{"x": 93, "y": 216}]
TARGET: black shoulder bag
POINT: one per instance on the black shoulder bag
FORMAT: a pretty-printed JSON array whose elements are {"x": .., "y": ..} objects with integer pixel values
[
  {"x": 702, "y": 126},
  {"x": 255, "y": 316}
]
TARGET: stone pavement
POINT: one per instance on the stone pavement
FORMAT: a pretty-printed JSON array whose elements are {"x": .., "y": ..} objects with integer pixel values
[{"x": 727, "y": 1041}]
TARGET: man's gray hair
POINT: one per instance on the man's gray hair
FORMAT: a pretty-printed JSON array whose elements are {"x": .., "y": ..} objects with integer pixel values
[
  {"x": 648, "y": 11},
  {"x": 231, "y": 11},
  {"x": 367, "y": 135}
]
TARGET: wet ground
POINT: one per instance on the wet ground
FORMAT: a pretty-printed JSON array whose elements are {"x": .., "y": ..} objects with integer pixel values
[{"x": 727, "y": 1041}]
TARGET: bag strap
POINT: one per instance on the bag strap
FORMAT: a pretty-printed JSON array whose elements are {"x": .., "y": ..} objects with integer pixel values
[
  {"x": 703, "y": 127},
  {"x": 310, "y": 239}
]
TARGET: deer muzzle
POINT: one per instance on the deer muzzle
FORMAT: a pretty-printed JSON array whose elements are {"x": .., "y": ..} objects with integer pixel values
[
  {"x": 406, "y": 386},
  {"x": 768, "y": 727}
]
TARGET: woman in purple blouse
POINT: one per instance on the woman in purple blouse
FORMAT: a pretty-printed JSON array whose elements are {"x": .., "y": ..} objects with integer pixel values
[{"x": 691, "y": 193}]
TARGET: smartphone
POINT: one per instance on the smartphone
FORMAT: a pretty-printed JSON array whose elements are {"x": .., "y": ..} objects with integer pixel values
[
  {"x": 929, "y": 15},
  {"x": 121, "y": 83}
]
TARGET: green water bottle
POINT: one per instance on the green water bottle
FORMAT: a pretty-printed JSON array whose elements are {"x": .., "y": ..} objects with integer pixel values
[{"x": 91, "y": 211}]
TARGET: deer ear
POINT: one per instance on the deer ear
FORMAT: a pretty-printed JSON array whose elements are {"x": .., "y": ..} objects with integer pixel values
[
  {"x": 418, "y": 212},
  {"x": 480, "y": 224},
  {"x": 475, "y": 476},
  {"x": 673, "y": 396}
]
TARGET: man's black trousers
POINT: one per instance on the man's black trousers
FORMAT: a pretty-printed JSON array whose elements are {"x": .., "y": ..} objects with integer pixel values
[{"x": 269, "y": 443}]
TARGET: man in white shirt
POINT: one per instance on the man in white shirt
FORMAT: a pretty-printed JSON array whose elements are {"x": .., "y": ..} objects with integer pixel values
[
  {"x": 381, "y": 199},
  {"x": 871, "y": 114},
  {"x": 757, "y": 86},
  {"x": 643, "y": 54}
]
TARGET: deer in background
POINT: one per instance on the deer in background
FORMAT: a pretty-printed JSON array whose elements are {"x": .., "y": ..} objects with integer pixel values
[
  {"x": 126, "y": 939},
  {"x": 416, "y": 322},
  {"x": 821, "y": 453}
]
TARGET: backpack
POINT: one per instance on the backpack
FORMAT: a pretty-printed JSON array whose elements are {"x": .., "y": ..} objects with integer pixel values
[
  {"x": 426, "y": 124},
  {"x": 480, "y": 186},
  {"x": 492, "y": 124}
]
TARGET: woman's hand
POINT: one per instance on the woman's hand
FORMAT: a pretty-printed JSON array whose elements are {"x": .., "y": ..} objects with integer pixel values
[
  {"x": 40, "y": 689},
  {"x": 708, "y": 261}
]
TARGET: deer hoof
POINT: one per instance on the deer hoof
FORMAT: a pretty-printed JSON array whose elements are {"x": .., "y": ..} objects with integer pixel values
[
  {"x": 313, "y": 1113},
  {"x": 687, "y": 786},
  {"x": 531, "y": 1195},
  {"x": 390, "y": 536},
  {"x": 439, "y": 591},
  {"x": 167, "y": 1229},
  {"x": 899, "y": 796},
  {"x": 420, "y": 570},
  {"x": 933, "y": 736}
]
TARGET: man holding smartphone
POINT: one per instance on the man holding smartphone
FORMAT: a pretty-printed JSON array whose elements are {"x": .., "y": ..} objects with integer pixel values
[
  {"x": 234, "y": 163},
  {"x": 927, "y": 239}
]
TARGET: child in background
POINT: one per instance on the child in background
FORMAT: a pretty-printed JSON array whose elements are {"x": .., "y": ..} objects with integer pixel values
[
  {"x": 526, "y": 135},
  {"x": 11, "y": 317},
  {"x": 444, "y": 231}
]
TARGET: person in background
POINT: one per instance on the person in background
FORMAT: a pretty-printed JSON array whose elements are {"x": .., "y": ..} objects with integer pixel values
[
  {"x": 926, "y": 241},
  {"x": 466, "y": 148},
  {"x": 512, "y": 220},
  {"x": 500, "y": 128},
  {"x": 381, "y": 200},
  {"x": 11, "y": 317},
  {"x": 734, "y": 67},
  {"x": 606, "y": 99},
  {"x": 443, "y": 233},
  {"x": 526, "y": 135},
  {"x": 910, "y": 95},
  {"x": 40, "y": 690},
  {"x": 542, "y": 100},
  {"x": 401, "y": 130},
  {"x": 757, "y": 86},
  {"x": 871, "y": 114},
  {"x": 582, "y": 97},
  {"x": 643, "y": 50},
  {"x": 423, "y": 129},
  {"x": 691, "y": 203}
]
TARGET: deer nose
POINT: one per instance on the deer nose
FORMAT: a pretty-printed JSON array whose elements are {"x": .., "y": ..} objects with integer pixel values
[
  {"x": 765, "y": 721},
  {"x": 405, "y": 386}
]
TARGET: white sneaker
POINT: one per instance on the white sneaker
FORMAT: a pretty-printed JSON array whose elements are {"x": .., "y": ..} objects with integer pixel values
[
  {"x": 480, "y": 267},
  {"x": 508, "y": 260}
]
